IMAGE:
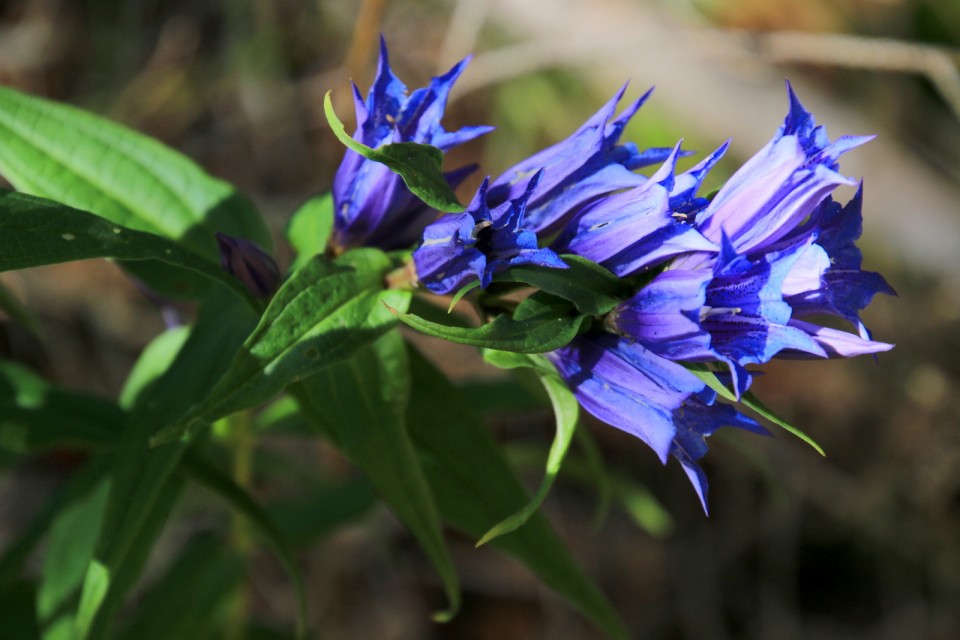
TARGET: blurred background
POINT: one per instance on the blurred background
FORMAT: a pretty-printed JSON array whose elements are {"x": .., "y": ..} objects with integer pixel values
[{"x": 864, "y": 543}]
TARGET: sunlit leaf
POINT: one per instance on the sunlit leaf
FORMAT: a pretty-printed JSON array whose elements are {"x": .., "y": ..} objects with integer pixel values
[
  {"x": 36, "y": 231},
  {"x": 309, "y": 228},
  {"x": 567, "y": 412},
  {"x": 319, "y": 317},
  {"x": 418, "y": 164},
  {"x": 69, "y": 155},
  {"x": 475, "y": 487},
  {"x": 361, "y": 405}
]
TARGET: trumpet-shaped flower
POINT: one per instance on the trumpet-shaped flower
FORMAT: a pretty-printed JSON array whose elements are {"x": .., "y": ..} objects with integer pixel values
[
  {"x": 643, "y": 226},
  {"x": 480, "y": 242},
  {"x": 840, "y": 288},
  {"x": 588, "y": 164},
  {"x": 372, "y": 206},
  {"x": 659, "y": 401},
  {"x": 696, "y": 420},
  {"x": 780, "y": 186}
]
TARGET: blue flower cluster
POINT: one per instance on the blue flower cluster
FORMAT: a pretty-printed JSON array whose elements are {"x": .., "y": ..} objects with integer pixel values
[{"x": 735, "y": 279}]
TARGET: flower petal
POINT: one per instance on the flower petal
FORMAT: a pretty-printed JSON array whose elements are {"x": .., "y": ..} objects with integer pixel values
[{"x": 626, "y": 386}]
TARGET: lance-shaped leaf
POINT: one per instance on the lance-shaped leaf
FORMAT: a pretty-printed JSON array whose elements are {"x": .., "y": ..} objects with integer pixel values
[
  {"x": 538, "y": 325},
  {"x": 475, "y": 487},
  {"x": 36, "y": 231},
  {"x": 144, "y": 485},
  {"x": 567, "y": 412},
  {"x": 73, "y": 536},
  {"x": 309, "y": 228},
  {"x": 748, "y": 399},
  {"x": 754, "y": 403},
  {"x": 88, "y": 162},
  {"x": 418, "y": 164},
  {"x": 319, "y": 317},
  {"x": 37, "y": 415},
  {"x": 361, "y": 405},
  {"x": 590, "y": 287}
]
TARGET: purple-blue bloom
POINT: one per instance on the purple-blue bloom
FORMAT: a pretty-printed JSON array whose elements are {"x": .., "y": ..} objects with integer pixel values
[
  {"x": 585, "y": 166},
  {"x": 697, "y": 419},
  {"x": 626, "y": 386},
  {"x": 652, "y": 398},
  {"x": 249, "y": 264},
  {"x": 644, "y": 226},
  {"x": 770, "y": 195},
  {"x": 480, "y": 242},
  {"x": 786, "y": 250},
  {"x": 842, "y": 289},
  {"x": 732, "y": 311},
  {"x": 372, "y": 205}
]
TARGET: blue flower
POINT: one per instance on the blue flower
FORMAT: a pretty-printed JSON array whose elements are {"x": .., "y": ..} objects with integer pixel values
[
  {"x": 588, "y": 164},
  {"x": 780, "y": 186},
  {"x": 697, "y": 419},
  {"x": 840, "y": 287},
  {"x": 627, "y": 386},
  {"x": 643, "y": 226},
  {"x": 731, "y": 312},
  {"x": 480, "y": 242},
  {"x": 372, "y": 206},
  {"x": 784, "y": 250}
]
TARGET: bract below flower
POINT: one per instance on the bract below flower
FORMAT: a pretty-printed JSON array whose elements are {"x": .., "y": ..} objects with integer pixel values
[
  {"x": 476, "y": 244},
  {"x": 372, "y": 205}
]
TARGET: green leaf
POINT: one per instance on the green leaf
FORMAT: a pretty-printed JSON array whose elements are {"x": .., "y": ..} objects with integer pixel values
[
  {"x": 598, "y": 474},
  {"x": 36, "y": 415},
  {"x": 754, "y": 403},
  {"x": 361, "y": 405},
  {"x": 35, "y": 231},
  {"x": 153, "y": 363},
  {"x": 188, "y": 600},
  {"x": 567, "y": 411},
  {"x": 748, "y": 399},
  {"x": 474, "y": 487},
  {"x": 549, "y": 327},
  {"x": 418, "y": 164},
  {"x": 144, "y": 485},
  {"x": 458, "y": 296},
  {"x": 304, "y": 519},
  {"x": 87, "y": 162},
  {"x": 709, "y": 377},
  {"x": 73, "y": 536},
  {"x": 309, "y": 228},
  {"x": 209, "y": 475},
  {"x": 319, "y": 317},
  {"x": 591, "y": 288},
  {"x": 426, "y": 309},
  {"x": 283, "y": 417}
]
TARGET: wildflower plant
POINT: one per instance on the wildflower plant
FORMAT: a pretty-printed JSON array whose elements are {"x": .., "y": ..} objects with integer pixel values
[{"x": 599, "y": 267}]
